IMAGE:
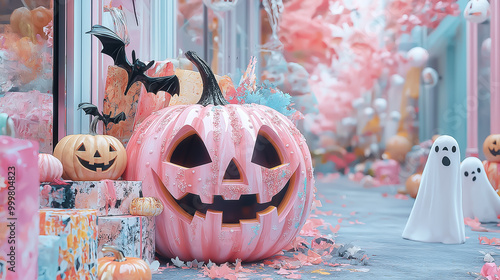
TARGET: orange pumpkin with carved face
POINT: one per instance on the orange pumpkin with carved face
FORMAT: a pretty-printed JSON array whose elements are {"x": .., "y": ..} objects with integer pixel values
[{"x": 491, "y": 148}]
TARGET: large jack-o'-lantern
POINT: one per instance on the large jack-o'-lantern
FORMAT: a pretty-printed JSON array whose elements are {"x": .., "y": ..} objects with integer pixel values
[{"x": 236, "y": 180}]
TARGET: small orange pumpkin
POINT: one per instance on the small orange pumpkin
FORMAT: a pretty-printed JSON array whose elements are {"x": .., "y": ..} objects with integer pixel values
[
  {"x": 412, "y": 184},
  {"x": 118, "y": 267},
  {"x": 92, "y": 157},
  {"x": 491, "y": 148},
  {"x": 30, "y": 23},
  {"x": 146, "y": 206}
]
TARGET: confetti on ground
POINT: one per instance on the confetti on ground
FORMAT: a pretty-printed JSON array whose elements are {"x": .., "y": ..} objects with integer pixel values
[{"x": 487, "y": 241}]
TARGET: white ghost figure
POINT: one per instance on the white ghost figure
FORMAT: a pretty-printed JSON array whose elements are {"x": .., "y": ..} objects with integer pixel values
[
  {"x": 477, "y": 11},
  {"x": 479, "y": 198},
  {"x": 437, "y": 214}
]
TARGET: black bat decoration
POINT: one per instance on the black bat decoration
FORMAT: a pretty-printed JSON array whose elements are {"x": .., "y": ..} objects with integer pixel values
[
  {"x": 91, "y": 109},
  {"x": 114, "y": 46}
]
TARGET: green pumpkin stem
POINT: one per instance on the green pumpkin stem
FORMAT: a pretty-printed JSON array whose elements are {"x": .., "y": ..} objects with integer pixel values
[
  {"x": 211, "y": 95},
  {"x": 119, "y": 256}
]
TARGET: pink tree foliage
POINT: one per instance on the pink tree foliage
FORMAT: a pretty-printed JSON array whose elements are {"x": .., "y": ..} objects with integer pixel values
[{"x": 351, "y": 46}]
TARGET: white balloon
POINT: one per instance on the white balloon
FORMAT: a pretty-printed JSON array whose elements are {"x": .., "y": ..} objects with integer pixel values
[
  {"x": 486, "y": 47},
  {"x": 418, "y": 57},
  {"x": 395, "y": 116},
  {"x": 430, "y": 77},
  {"x": 369, "y": 112},
  {"x": 477, "y": 11},
  {"x": 380, "y": 105},
  {"x": 397, "y": 80}
]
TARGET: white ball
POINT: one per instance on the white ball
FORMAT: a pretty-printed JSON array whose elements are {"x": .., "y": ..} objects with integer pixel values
[
  {"x": 418, "y": 57},
  {"x": 477, "y": 10},
  {"x": 486, "y": 47},
  {"x": 369, "y": 112},
  {"x": 397, "y": 80},
  {"x": 380, "y": 105},
  {"x": 430, "y": 77},
  {"x": 395, "y": 116}
]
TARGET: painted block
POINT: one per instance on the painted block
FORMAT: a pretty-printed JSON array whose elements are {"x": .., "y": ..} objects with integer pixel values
[
  {"x": 387, "y": 171},
  {"x": 78, "y": 231},
  {"x": 18, "y": 209},
  {"x": 48, "y": 256},
  {"x": 109, "y": 198},
  {"x": 135, "y": 235}
]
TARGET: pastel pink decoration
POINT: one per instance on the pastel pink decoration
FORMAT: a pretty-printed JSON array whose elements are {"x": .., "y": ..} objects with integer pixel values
[
  {"x": 495, "y": 68},
  {"x": 32, "y": 115},
  {"x": 19, "y": 181},
  {"x": 236, "y": 181},
  {"x": 387, "y": 171},
  {"x": 50, "y": 168},
  {"x": 472, "y": 90}
]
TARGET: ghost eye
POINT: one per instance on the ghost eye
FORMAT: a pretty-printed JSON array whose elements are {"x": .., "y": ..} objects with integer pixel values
[
  {"x": 478, "y": 170},
  {"x": 190, "y": 152},
  {"x": 466, "y": 173},
  {"x": 264, "y": 152},
  {"x": 436, "y": 149},
  {"x": 81, "y": 148},
  {"x": 453, "y": 149}
]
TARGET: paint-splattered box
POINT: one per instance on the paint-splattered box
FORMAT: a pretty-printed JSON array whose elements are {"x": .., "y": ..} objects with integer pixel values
[
  {"x": 108, "y": 197},
  {"x": 78, "y": 231},
  {"x": 134, "y": 234}
]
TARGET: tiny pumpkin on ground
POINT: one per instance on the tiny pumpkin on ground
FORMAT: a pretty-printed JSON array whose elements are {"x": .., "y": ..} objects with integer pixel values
[
  {"x": 92, "y": 157},
  {"x": 146, "y": 206},
  {"x": 118, "y": 267}
]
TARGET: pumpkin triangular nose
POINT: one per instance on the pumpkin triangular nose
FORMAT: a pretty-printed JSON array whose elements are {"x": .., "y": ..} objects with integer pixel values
[
  {"x": 97, "y": 154},
  {"x": 232, "y": 171}
]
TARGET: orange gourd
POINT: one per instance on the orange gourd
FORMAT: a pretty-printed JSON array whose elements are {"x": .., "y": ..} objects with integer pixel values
[
  {"x": 118, "y": 267},
  {"x": 30, "y": 23},
  {"x": 146, "y": 206}
]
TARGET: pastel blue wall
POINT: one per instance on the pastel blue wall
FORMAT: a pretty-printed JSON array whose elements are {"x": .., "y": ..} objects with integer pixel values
[{"x": 446, "y": 103}]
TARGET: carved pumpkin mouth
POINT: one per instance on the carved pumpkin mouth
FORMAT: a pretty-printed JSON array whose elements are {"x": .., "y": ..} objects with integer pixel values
[
  {"x": 233, "y": 211},
  {"x": 94, "y": 166},
  {"x": 494, "y": 152}
]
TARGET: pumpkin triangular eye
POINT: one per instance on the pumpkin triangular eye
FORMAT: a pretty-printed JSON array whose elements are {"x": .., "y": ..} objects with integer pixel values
[
  {"x": 190, "y": 152},
  {"x": 81, "y": 148},
  {"x": 264, "y": 153},
  {"x": 111, "y": 148}
]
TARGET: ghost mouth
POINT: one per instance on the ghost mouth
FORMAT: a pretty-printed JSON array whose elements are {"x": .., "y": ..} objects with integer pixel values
[
  {"x": 474, "y": 179},
  {"x": 494, "y": 152},
  {"x": 94, "y": 166},
  {"x": 233, "y": 211},
  {"x": 446, "y": 161}
]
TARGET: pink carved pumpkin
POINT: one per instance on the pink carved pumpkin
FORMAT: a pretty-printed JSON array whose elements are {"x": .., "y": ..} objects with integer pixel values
[
  {"x": 50, "y": 168},
  {"x": 236, "y": 181}
]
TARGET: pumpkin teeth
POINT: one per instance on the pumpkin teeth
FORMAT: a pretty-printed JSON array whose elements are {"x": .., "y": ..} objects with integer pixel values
[
  {"x": 94, "y": 166},
  {"x": 232, "y": 211}
]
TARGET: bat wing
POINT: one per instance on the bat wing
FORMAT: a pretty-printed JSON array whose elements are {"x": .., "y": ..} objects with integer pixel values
[
  {"x": 90, "y": 109},
  {"x": 118, "y": 118},
  {"x": 112, "y": 45},
  {"x": 169, "y": 84}
]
